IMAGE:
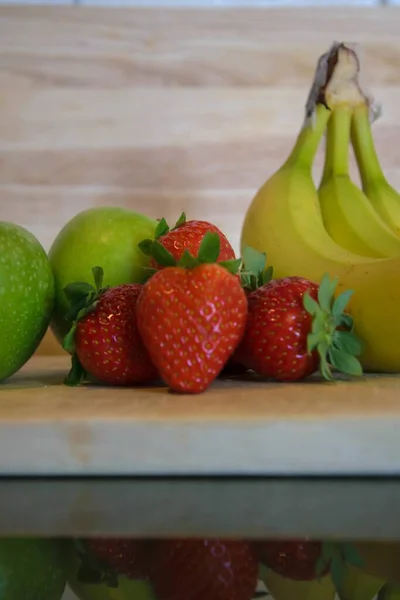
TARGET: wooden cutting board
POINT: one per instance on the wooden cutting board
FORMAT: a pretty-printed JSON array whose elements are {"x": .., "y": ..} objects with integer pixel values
[{"x": 236, "y": 427}]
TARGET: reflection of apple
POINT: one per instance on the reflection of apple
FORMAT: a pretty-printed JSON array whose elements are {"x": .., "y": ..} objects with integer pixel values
[
  {"x": 31, "y": 568},
  {"x": 104, "y": 236},
  {"x": 128, "y": 589},
  {"x": 26, "y": 296}
]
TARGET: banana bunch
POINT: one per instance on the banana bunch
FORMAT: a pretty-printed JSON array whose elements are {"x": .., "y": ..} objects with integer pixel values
[{"x": 337, "y": 228}]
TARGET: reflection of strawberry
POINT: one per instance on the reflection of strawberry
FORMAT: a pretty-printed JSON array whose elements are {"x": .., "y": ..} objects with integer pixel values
[
  {"x": 192, "y": 316},
  {"x": 296, "y": 327},
  {"x": 293, "y": 559},
  {"x": 186, "y": 235},
  {"x": 204, "y": 570},
  {"x": 104, "y": 339},
  {"x": 129, "y": 557}
]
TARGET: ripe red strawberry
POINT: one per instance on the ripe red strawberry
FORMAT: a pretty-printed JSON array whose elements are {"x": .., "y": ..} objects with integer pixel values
[
  {"x": 205, "y": 569},
  {"x": 275, "y": 342},
  {"x": 293, "y": 559},
  {"x": 186, "y": 235},
  {"x": 104, "y": 340},
  {"x": 129, "y": 557},
  {"x": 295, "y": 327},
  {"x": 192, "y": 317}
]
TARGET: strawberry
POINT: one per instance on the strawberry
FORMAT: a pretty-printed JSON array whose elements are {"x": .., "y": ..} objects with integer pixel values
[
  {"x": 123, "y": 556},
  {"x": 306, "y": 560},
  {"x": 192, "y": 316},
  {"x": 293, "y": 559},
  {"x": 185, "y": 235},
  {"x": 204, "y": 569},
  {"x": 295, "y": 327},
  {"x": 104, "y": 339}
]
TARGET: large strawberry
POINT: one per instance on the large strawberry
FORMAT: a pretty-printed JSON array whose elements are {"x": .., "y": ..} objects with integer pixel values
[
  {"x": 192, "y": 316},
  {"x": 207, "y": 569},
  {"x": 185, "y": 235},
  {"x": 296, "y": 327},
  {"x": 104, "y": 339}
]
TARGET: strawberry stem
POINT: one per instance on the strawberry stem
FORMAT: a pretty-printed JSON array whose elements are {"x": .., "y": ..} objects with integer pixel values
[{"x": 332, "y": 333}]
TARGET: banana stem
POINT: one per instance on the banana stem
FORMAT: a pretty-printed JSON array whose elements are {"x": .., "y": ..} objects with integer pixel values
[
  {"x": 308, "y": 140},
  {"x": 364, "y": 147},
  {"x": 337, "y": 143}
]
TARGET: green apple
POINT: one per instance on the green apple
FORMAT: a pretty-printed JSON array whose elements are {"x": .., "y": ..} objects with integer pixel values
[
  {"x": 126, "y": 589},
  {"x": 31, "y": 568},
  {"x": 26, "y": 296},
  {"x": 103, "y": 236}
]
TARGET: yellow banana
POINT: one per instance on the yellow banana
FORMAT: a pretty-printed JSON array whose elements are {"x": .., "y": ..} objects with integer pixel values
[
  {"x": 358, "y": 585},
  {"x": 381, "y": 560},
  {"x": 383, "y": 197},
  {"x": 389, "y": 593},
  {"x": 348, "y": 215},
  {"x": 282, "y": 588},
  {"x": 284, "y": 221}
]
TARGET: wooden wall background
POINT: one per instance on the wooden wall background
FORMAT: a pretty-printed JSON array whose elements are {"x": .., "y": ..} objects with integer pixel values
[{"x": 167, "y": 109}]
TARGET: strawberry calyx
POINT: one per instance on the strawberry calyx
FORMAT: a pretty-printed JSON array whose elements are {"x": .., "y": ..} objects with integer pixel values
[
  {"x": 253, "y": 272},
  {"x": 336, "y": 556},
  {"x": 83, "y": 299},
  {"x": 163, "y": 227},
  {"x": 208, "y": 253},
  {"x": 332, "y": 334},
  {"x": 92, "y": 570}
]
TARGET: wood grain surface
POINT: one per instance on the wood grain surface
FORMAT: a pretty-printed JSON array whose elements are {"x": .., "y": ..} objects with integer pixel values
[
  {"x": 234, "y": 428},
  {"x": 162, "y": 110}
]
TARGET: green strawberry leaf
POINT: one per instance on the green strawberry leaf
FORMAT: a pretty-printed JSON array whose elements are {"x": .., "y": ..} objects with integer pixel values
[
  {"x": 162, "y": 256},
  {"x": 266, "y": 275},
  {"x": 188, "y": 261},
  {"x": 351, "y": 555},
  {"x": 323, "y": 349},
  {"x": 338, "y": 573},
  {"x": 147, "y": 273},
  {"x": 253, "y": 260},
  {"x": 348, "y": 342},
  {"x": 180, "y": 221},
  {"x": 161, "y": 229},
  {"x": 340, "y": 304},
  {"x": 311, "y": 305},
  {"x": 345, "y": 362},
  {"x": 254, "y": 272},
  {"x": 337, "y": 348},
  {"x": 72, "y": 313},
  {"x": 346, "y": 321},
  {"x": 210, "y": 248},
  {"x": 98, "y": 275},
  {"x": 232, "y": 266},
  {"x": 76, "y": 291},
  {"x": 326, "y": 291},
  {"x": 146, "y": 246},
  {"x": 76, "y": 374},
  {"x": 69, "y": 340}
]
